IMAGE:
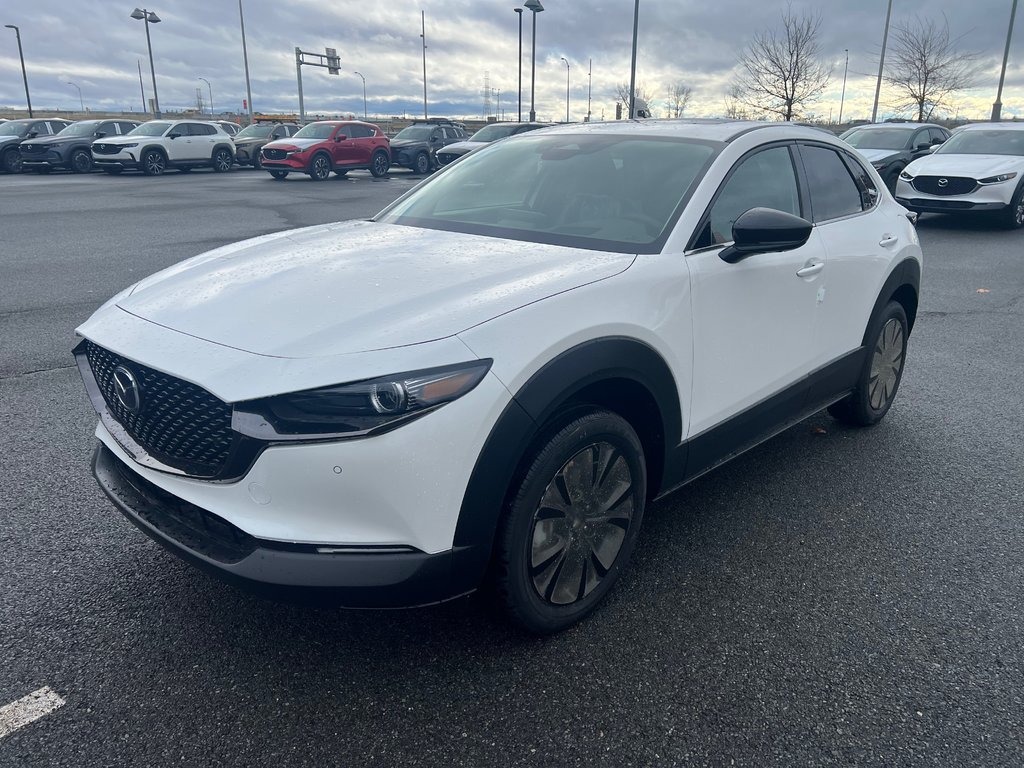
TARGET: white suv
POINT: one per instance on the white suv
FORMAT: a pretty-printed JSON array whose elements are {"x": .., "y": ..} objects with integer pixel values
[
  {"x": 155, "y": 146},
  {"x": 497, "y": 373}
]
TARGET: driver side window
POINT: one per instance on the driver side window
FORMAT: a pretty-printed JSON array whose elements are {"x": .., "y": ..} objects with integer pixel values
[{"x": 766, "y": 179}]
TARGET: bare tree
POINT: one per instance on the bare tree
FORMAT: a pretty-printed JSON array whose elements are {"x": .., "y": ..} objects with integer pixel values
[
  {"x": 679, "y": 96},
  {"x": 733, "y": 107},
  {"x": 926, "y": 67},
  {"x": 642, "y": 94},
  {"x": 781, "y": 71}
]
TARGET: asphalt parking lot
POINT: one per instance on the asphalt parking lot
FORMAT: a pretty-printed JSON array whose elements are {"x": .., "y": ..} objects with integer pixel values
[{"x": 834, "y": 597}]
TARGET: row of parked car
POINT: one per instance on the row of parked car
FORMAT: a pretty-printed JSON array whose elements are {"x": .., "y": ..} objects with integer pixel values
[{"x": 317, "y": 149}]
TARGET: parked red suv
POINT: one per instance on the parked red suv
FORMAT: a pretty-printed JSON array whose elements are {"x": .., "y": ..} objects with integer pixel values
[{"x": 329, "y": 145}]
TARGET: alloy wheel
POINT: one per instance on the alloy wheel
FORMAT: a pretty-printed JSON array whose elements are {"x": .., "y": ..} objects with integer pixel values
[
  {"x": 886, "y": 364},
  {"x": 1018, "y": 214},
  {"x": 81, "y": 162},
  {"x": 154, "y": 163},
  {"x": 222, "y": 161},
  {"x": 321, "y": 168},
  {"x": 580, "y": 524}
]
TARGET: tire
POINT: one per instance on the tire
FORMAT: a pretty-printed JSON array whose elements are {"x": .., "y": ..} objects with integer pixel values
[
  {"x": 153, "y": 162},
  {"x": 80, "y": 161},
  {"x": 113, "y": 171},
  {"x": 222, "y": 160},
  {"x": 891, "y": 179},
  {"x": 554, "y": 564},
  {"x": 279, "y": 175},
  {"x": 421, "y": 164},
  {"x": 11, "y": 161},
  {"x": 380, "y": 164},
  {"x": 881, "y": 373},
  {"x": 319, "y": 167},
  {"x": 257, "y": 161},
  {"x": 1013, "y": 215}
]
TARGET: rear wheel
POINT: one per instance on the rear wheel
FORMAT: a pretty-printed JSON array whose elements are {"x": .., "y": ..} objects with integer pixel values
[
  {"x": 1013, "y": 214},
  {"x": 881, "y": 373},
  {"x": 81, "y": 161},
  {"x": 572, "y": 523},
  {"x": 319, "y": 167},
  {"x": 380, "y": 164},
  {"x": 422, "y": 163},
  {"x": 222, "y": 161},
  {"x": 279, "y": 175},
  {"x": 11, "y": 161},
  {"x": 153, "y": 162}
]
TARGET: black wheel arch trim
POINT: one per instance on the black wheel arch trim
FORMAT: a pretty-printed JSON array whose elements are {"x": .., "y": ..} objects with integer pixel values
[
  {"x": 539, "y": 400},
  {"x": 903, "y": 285}
]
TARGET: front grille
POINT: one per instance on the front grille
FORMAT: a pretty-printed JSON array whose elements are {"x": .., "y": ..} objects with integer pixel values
[
  {"x": 105, "y": 149},
  {"x": 275, "y": 154},
  {"x": 32, "y": 149},
  {"x": 954, "y": 185},
  {"x": 178, "y": 423}
]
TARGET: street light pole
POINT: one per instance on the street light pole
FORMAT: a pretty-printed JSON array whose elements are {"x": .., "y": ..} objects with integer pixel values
[
  {"x": 519, "y": 13},
  {"x": 881, "y": 62},
  {"x": 566, "y": 88},
  {"x": 632, "y": 66},
  {"x": 423, "y": 34},
  {"x": 80, "y": 100},
  {"x": 24, "y": 74},
  {"x": 842, "y": 98},
  {"x": 245, "y": 61},
  {"x": 210, "y": 87},
  {"x": 590, "y": 84},
  {"x": 142, "y": 88},
  {"x": 364, "y": 92},
  {"x": 535, "y": 7},
  {"x": 149, "y": 17},
  {"x": 997, "y": 108}
]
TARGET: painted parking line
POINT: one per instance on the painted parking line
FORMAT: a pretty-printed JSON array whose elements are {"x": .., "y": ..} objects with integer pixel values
[{"x": 28, "y": 709}]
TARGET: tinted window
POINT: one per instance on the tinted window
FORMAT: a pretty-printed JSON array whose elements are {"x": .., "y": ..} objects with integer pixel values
[
  {"x": 936, "y": 136},
  {"x": 39, "y": 129},
  {"x": 108, "y": 128},
  {"x": 764, "y": 180},
  {"x": 878, "y": 138},
  {"x": 985, "y": 141},
  {"x": 921, "y": 137},
  {"x": 358, "y": 131},
  {"x": 316, "y": 131},
  {"x": 153, "y": 128},
  {"x": 866, "y": 185},
  {"x": 833, "y": 190},
  {"x": 126, "y": 127},
  {"x": 198, "y": 129}
]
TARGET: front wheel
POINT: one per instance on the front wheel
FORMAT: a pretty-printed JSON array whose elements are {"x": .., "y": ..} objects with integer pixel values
[
  {"x": 81, "y": 161},
  {"x": 881, "y": 372},
  {"x": 379, "y": 165},
  {"x": 153, "y": 163},
  {"x": 12, "y": 161},
  {"x": 279, "y": 175},
  {"x": 1013, "y": 214},
  {"x": 572, "y": 523},
  {"x": 422, "y": 164},
  {"x": 320, "y": 168},
  {"x": 222, "y": 161},
  {"x": 257, "y": 161}
]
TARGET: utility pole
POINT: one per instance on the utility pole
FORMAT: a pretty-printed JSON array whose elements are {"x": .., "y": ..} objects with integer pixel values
[
  {"x": 423, "y": 34},
  {"x": 24, "y": 74},
  {"x": 842, "y": 98},
  {"x": 81, "y": 101},
  {"x": 245, "y": 61},
  {"x": 519, "y": 13},
  {"x": 997, "y": 108},
  {"x": 632, "y": 67},
  {"x": 328, "y": 60},
  {"x": 590, "y": 84},
  {"x": 142, "y": 88},
  {"x": 566, "y": 88},
  {"x": 211, "y": 93},
  {"x": 149, "y": 17},
  {"x": 364, "y": 92},
  {"x": 881, "y": 62}
]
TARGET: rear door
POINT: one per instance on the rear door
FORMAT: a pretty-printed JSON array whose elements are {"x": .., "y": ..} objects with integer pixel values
[{"x": 362, "y": 136}]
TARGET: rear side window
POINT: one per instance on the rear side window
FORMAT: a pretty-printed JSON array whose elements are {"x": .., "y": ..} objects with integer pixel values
[
  {"x": 107, "y": 129},
  {"x": 359, "y": 131},
  {"x": 866, "y": 185},
  {"x": 833, "y": 191},
  {"x": 766, "y": 179},
  {"x": 936, "y": 136},
  {"x": 198, "y": 129}
]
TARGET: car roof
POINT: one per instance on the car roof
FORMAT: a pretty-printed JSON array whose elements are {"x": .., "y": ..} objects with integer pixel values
[
  {"x": 712, "y": 129},
  {"x": 902, "y": 124},
  {"x": 1002, "y": 126}
]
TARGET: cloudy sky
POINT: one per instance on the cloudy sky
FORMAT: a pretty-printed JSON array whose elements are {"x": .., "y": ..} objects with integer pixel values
[{"x": 96, "y": 45}]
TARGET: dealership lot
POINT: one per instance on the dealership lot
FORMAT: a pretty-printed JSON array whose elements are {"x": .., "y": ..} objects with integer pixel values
[{"x": 834, "y": 596}]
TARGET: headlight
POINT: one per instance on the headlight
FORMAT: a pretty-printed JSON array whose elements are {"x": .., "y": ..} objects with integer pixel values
[
  {"x": 906, "y": 176},
  {"x": 128, "y": 146},
  {"x": 998, "y": 179},
  {"x": 359, "y": 408}
]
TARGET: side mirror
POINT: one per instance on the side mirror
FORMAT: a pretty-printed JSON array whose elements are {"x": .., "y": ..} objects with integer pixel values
[
  {"x": 31, "y": 134},
  {"x": 933, "y": 147},
  {"x": 173, "y": 135},
  {"x": 100, "y": 134},
  {"x": 765, "y": 230},
  {"x": 340, "y": 137},
  {"x": 923, "y": 147}
]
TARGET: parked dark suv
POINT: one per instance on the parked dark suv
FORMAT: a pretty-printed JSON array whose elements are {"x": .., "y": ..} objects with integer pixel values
[
  {"x": 416, "y": 147},
  {"x": 890, "y": 147},
  {"x": 251, "y": 139},
  {"x": 13, "y": 132},
  {"x": 70, "y": 148}
]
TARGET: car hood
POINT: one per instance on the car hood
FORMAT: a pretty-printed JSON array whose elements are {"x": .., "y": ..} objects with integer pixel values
[
  {"x": 9, "y": 139},
  {"x": 406, "y": 143},
  {"x": 973, "y": 166},
  {"x": 250, "y": 140},
  {"x": 357, "y": 287},
  {"x": 58, "y": 139},
  {"x": 126, "y": 139},
  {"x": 299, "y": 144},
  {"x": 877, "y": 155},
  {"x": 462, "y": 147}
]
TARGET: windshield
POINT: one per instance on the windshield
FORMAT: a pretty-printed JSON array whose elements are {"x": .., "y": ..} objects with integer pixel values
[
  {"x": 255, "y": 131},
  {"x": 152, "y": 128},
  {"x": 604, "y": 192},
  {"x": 315, "y": 131},
  {"x": 986, "y": 142},
  {"x": 415, "y": 133},
  {"x": 81, "y": 128},
  {"x": 13, "y": 128},
  {"x": 880, "y": 138},
  {"x": 494, "y": 132}
]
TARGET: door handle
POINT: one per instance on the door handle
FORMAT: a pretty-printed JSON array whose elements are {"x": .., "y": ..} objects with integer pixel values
[
  {"x": 888, "y": 240},
  {"x": 811, "y": 269}
]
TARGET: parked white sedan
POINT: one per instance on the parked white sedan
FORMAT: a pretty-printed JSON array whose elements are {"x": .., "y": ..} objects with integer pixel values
[
  {"x": 979, "y": 169},
  {"x": 499, "y": 371}
]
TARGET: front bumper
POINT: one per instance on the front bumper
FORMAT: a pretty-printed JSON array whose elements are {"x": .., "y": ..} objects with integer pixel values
[
  {"x": 355, "y": 577},
  {"x": 116, "y": 161},
  {"x": 989, "y": 197},
  {"x": 291, "y": 163}
]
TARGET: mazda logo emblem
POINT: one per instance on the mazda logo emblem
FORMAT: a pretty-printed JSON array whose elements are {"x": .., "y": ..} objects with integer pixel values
[
  {"x": 943, "y": 182},
  {"x": 126, "y": 389}
]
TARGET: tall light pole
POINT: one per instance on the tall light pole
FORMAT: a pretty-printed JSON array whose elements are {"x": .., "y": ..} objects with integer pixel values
[
  {"x": 566, "y": 88},
  {"x": 80, "y": 100},
  {"x": 364, "y": 92},
  {"x": 245, "y": 61},
  {"x": 590, "y": 84},
  {"x": 210, "y": 87},
  {"x": 535, "y": 7},
  {"x": 423, "y": 34},
  {"x": 519, "y": 13},
  {"x": 24, "y": 74},
  {"x": 142, "y": 87},
  {"x": 632, "y": 66},
  {"x": 997, "y": 108},
  {"x": 843, "y": 97},
  {"x": 881, "y": 62},
  {"x": 147, "y": 16}
]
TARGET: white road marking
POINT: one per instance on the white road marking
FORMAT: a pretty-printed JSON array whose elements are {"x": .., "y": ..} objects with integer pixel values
[{"x": 28, "y": 709}]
